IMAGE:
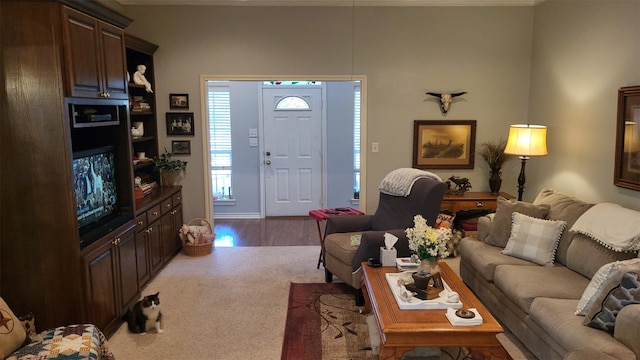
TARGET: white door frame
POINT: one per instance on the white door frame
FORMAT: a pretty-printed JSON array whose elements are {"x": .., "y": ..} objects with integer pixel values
[{"x": 205, "y": 131}]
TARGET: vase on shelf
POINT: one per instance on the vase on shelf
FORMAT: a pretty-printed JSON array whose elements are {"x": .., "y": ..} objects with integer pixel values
[{"x": 495, "y": 181}]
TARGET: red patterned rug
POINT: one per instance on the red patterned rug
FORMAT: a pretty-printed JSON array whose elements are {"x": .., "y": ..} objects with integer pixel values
[{"x": 323, "y": 323}]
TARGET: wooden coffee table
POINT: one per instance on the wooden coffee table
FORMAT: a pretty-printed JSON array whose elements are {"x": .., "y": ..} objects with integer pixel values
[{"x": 404, "y": 330}]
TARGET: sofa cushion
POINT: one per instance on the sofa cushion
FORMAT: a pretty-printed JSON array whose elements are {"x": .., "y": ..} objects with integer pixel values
[
  {"x": 587, "y": 256},
  {"x": 522, "y": 284},
  {"x": 339, "y": 244},
  {"x": 484, "y": 258},
  {"x": 562, "y": 207},
  {"x": 556, "y": 318},
  {"x": 13, "y": 334},
  {"x": 603, "y": 281},
  {"x": 501, "y": 225},
  {"x": 603, "y": 315},
  {"x": 534, "y": 239}
]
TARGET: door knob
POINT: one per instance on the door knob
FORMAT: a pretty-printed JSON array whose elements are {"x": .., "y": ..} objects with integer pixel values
[{"x": 268, "y": 162}]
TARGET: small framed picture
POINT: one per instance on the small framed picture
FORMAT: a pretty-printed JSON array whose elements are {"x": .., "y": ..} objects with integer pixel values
[
  {"x": 180, "y": 124},
  {"x": 178, "y": 101},
  {"x": 181, "y": 147}
]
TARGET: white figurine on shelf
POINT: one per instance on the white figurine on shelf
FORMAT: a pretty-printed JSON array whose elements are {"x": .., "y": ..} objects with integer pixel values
[{"x": 140, "y": 79}]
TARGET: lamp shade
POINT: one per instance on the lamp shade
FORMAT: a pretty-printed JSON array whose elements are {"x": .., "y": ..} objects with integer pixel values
[{"x": 527, "y": 140}]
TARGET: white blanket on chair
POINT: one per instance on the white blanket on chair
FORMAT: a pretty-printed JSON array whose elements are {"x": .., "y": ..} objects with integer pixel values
[
  {"x": 612, "y": 225},
  {"x": 400, "y": 181}
]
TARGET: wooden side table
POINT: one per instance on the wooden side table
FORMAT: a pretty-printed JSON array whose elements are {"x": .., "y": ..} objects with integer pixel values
[{"x": 472, "y": 200}]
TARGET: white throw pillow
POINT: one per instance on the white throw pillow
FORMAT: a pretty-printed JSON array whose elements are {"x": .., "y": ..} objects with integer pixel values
[
  {"x": 608, "y": 273},
  {"x": 534, "y": 239}
]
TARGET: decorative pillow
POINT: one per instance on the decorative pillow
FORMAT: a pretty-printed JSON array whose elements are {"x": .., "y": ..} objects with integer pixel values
[
  {"x": 626, "y": 292},
  {"x": 501, "y": 225},
  {"x": 29, "y": 323},
  {"x": 534, "y": 239},
  {"x": 12, "y": 334},
  {"x": 601, "y": 283},
  {"x": 444, "y": 221}
]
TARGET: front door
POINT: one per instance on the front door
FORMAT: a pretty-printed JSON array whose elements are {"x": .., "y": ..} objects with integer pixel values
[{"x": 292, "y": 150}]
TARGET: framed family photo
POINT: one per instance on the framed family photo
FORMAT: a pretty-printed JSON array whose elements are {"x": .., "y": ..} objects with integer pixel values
[
  {"x": 180, "y": 124},
  {"x": 178, "y": 101},
  {"x": 444, "y": 144}
]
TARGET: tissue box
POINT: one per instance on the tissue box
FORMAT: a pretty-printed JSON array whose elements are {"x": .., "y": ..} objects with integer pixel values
[{"x": 388, "y": 257}]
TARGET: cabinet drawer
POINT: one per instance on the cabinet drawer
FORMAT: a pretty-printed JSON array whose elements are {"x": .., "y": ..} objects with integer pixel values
[
  {"x": 153, "y": 214},
  {"x": 476, "y": 204},
  {"x": 177, "y": 199},
  {"x": 166, "y": 206},
  {"x": 446, "y": 205},
  {"x": 141, "y": 222}
]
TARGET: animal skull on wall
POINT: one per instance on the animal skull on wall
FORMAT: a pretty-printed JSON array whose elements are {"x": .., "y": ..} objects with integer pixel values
[{"x": 445, "y": 100}]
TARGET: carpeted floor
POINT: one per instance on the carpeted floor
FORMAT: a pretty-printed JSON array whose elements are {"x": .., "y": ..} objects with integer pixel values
[{"x": 231, "y": 304}]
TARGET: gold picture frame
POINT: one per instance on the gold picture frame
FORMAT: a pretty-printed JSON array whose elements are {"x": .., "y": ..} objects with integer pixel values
[{"x": 444, "y": 144}]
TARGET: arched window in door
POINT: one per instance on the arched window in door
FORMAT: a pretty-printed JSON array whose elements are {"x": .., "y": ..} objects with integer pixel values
[{"x": 292, "y": 103}]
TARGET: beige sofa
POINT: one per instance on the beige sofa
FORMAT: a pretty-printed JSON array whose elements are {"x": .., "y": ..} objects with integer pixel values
[{"x": 538, "y": 303}]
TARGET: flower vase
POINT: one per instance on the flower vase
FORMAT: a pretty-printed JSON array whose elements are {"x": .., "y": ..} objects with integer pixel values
[
  {"x": 422, "y": 277},
  {"x": 495, "y": 181}
]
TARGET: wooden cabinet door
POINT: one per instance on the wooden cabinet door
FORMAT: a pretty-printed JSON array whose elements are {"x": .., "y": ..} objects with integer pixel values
[
  {"x": 171, "y": 223},
  {"x": 102, "y": 287},
  {"x": 94, "y": 57},
  {"x": 155, "y": 247},
  {"x": 142, "y": 257},
  {"x": 127, "y": 270},
  {"x": 114, "y": 62}
]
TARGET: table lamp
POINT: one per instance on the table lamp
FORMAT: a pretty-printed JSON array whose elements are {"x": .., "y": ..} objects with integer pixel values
[{"x": 526, "y": 141}]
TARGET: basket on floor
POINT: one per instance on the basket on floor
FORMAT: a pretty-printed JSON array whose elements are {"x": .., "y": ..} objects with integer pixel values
[{"x": 202, "y": 226}]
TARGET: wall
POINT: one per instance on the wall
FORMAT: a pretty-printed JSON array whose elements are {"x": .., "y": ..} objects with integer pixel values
[
  {"x": 583, "y": 52},
  {"x": 404, "y": 52}
]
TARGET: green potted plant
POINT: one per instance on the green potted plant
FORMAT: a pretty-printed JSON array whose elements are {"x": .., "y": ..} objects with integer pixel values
[
  {"x": 168, "y": 167},
  {"x": 493, "y": 154}
]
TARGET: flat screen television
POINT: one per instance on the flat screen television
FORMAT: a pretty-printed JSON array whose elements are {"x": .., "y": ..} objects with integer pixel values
[{"x": 95, "y": 188}]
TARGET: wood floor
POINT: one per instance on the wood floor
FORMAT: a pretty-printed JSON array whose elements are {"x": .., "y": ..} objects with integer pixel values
[{"x": 272, "y": 231}]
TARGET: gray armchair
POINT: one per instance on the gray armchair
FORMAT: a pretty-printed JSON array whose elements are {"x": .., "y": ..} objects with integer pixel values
[{"x": 393, "y": 215}]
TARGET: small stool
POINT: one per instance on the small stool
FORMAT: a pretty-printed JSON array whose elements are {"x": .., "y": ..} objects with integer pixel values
[{"x": 322, "y": 215}]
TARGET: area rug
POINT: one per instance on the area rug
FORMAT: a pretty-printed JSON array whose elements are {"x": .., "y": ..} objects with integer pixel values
[{"x": 323, "y": 323}]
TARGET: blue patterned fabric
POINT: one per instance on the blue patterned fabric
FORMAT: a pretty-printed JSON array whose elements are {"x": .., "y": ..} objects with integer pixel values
[{"x": 73, "y": 342}]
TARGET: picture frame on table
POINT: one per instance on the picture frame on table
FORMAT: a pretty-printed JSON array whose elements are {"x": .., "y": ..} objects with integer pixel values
[
  {"x": 180, "y": 124},
  {"x": 178, "y": 101},
  {"x": 627, "y": 160},
  {"x": 181, "y": 147},
  {"x": 444, "y": 144}
]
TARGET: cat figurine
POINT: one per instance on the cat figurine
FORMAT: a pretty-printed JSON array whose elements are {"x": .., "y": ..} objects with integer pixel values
[{"x": 144, "y": 311}]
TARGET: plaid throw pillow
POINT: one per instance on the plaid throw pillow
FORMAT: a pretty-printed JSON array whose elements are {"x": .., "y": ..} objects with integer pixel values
[{"x": 534, "y": 239}]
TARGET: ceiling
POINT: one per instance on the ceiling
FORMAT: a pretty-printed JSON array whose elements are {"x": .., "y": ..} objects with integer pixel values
[{"x": 335, "y": 2}]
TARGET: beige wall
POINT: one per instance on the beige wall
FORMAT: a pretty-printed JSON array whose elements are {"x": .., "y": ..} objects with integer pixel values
[
  {"x": 490, "y": 52},
  {"x": 583, "y": 53},
  {"x": 404, "y": 52}
]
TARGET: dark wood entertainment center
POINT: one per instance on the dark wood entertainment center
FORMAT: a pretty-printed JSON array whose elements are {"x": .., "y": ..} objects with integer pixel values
[{"x": 58, "y": 56}]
